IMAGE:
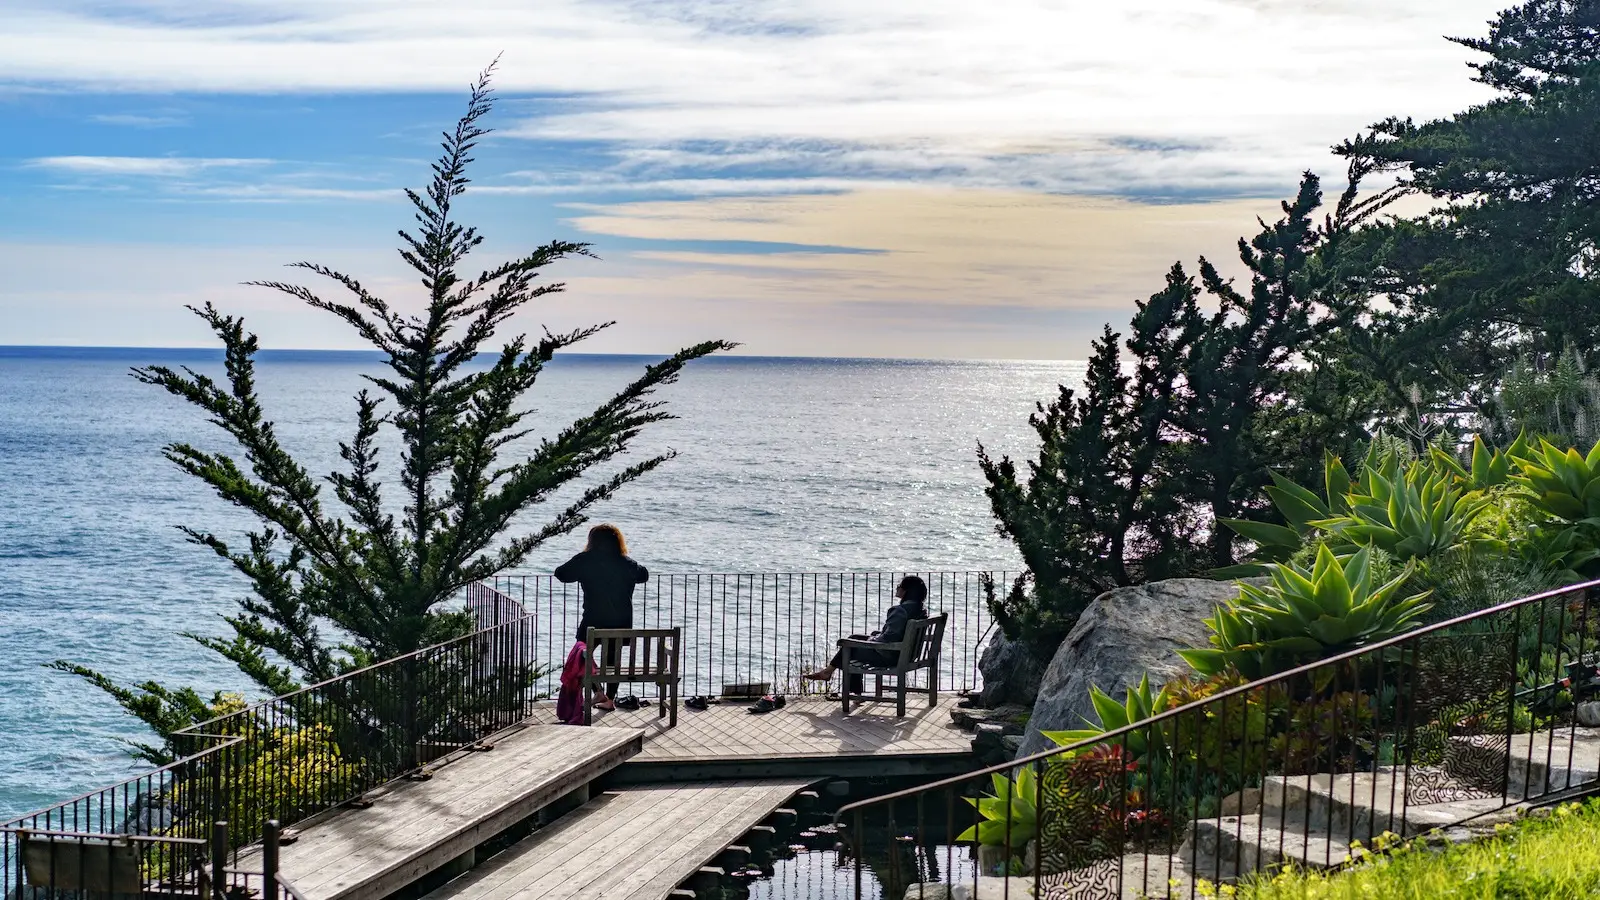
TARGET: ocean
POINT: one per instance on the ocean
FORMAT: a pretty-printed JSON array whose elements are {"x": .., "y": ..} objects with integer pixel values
[{"x": 783, "y": 465}]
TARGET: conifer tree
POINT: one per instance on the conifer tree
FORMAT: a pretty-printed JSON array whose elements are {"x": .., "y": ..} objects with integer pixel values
[
  {"x": 1133, "y": 474},
  {"x": 339, "y": 585},
  {"x": 1507, "y": 266}
]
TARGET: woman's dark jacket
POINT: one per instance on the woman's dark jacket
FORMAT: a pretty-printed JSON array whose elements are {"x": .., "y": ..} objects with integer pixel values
[
  {"x": 894, "y": 624},
  {"x": 607, "y": 581}
]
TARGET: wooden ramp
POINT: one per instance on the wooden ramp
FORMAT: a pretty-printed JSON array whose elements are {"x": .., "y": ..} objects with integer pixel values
[
  {"x": 416, "y": 827},
  {"x": 633, "y": 844}
]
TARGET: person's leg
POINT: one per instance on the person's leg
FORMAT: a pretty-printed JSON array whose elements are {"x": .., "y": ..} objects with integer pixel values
[
  {"x": 613, "y": 649},
  {"x": 826, "y": 672}
]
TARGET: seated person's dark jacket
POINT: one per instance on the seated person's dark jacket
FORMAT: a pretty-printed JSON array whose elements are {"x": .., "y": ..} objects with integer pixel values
[
  {"x": 894, "y": 624},
  {"x": 608, "y": 582},
  {"x": 893, "y": 631}
]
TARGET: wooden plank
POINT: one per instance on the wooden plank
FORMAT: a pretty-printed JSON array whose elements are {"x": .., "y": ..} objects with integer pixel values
[
  {"x": 806, "y": 729},
  {"x": 417, "y": 827},
  {"x": 635, "y": 844}
]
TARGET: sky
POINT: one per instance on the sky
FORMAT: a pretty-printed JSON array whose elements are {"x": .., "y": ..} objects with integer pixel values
[{"x": 898, "y": 178}]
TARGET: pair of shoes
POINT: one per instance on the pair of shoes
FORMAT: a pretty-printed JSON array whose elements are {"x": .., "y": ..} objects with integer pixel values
[
  {"x": 699, "y": 702},
  {"x": 629, "y": 703},
  {"x": 768, "y": 703}
]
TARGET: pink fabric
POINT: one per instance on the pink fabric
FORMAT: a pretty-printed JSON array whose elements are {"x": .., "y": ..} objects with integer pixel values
[{"x": 569, "y": 702}]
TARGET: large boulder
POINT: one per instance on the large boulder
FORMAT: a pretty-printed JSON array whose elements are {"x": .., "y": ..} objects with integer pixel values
[
  {"x": 1011, "y": 673},
  {"x": 1120, "y": 637}
]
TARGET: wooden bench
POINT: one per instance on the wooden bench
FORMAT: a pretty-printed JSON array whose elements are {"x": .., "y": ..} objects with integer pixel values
[
  {"x": 919, "y": 650},
  {"x": 634, "y": 656}
]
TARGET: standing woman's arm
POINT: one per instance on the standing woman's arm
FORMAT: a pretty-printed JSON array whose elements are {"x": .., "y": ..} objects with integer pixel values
[
  {"x": 640, "y": 574},
  {"x": 571, "y": 570}
]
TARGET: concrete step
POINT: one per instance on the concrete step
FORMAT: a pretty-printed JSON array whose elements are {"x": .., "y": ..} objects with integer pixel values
[
  {"x": 1227, "y": 847},
  {"x": 1539, "y": 763},
  {"x": 1363, "y": 805}
]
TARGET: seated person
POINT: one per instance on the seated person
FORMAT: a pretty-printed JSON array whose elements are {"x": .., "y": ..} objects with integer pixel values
[{"x": 912, "y": 594}]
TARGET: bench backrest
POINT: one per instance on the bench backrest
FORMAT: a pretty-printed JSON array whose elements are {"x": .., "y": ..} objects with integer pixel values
[
  {"x": 923, "y": 637},
  {"x": 643, "y": 655},
  {"x": 72, "y": 863}
]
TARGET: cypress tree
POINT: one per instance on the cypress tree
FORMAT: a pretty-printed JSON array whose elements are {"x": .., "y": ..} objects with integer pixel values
[{"x": 337, "y": 586}]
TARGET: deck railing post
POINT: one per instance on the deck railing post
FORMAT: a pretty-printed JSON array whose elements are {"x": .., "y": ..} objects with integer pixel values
[
  {"x": 219, "y": 860},
  {"x": 269, "y": 860}
]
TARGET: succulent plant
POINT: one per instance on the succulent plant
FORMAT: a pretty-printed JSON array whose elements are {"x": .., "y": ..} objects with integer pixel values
[{"x": 1306, "y": 614}]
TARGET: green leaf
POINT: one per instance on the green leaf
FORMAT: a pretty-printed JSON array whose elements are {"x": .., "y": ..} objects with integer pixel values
[{"x": 1267, "y": 534}]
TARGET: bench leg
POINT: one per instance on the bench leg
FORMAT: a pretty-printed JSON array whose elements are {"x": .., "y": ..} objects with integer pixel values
[
  {"x": 933, "y": 684},
  {"x": 672, "y": 714},
  {"x": 844, "y": 669},
  {"x": 900, "y": 697}
]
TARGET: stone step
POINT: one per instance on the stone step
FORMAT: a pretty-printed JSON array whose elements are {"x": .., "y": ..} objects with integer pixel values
[
  {"x": 1363, "y": 805},
  {"x": 1224, "y": 848},
  {"x": 1530, "y": 765}
]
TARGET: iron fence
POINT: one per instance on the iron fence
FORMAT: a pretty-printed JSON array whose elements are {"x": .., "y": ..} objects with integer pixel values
[
  {"x": 325, "y": 745},
  {"x": 1454, "y": 724},
  {"x": 74, "y": 865},
  {"x": 751, "y": 629},
  {"x": 290, "y": 757}
]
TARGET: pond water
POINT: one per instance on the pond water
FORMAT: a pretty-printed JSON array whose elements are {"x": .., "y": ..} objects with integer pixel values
[{"x": 813, "y": 861}]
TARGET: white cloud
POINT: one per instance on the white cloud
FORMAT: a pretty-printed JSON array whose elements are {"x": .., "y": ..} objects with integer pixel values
[
  {"x": 152, "y": 166},
  {"x": 137, "y": 121},
  {"x": 943, "y": 91}
]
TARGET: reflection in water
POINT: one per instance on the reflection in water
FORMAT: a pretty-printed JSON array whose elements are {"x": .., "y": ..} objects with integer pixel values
[{"x": 819, "y": 865}]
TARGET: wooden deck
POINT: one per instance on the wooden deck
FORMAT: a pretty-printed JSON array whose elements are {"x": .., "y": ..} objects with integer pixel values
[
  {"x": 416, "y": 827},
  {"x": 635, "y": 844},
  {"x": 807, "y": 737}
]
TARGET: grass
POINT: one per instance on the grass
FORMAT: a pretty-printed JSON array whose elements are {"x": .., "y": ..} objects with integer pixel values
[{"x": 1550, "y": 857}]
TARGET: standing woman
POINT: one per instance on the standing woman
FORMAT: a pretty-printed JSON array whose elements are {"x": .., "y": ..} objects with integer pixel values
[{"x": 607, "y": 575}]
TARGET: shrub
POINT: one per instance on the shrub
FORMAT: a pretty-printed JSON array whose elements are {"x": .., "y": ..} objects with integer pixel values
[{"x": 1303, "y": 615}]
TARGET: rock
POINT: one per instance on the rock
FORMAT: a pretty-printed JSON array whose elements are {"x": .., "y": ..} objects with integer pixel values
[
  {"x": 1011, "y": 672},
  {"x": 1589, "y": 713},
  {"x": 1120, "y": 637},
  {"x": 1008, "y": 716},
  {"x": 1242, "y": 803}
]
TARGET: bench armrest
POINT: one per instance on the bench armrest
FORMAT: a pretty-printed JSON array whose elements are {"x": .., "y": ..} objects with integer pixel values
[{"x": 870, "y": 645}]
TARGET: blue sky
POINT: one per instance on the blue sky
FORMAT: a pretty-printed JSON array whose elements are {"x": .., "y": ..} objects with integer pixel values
[{"x": 813, "y": 177}]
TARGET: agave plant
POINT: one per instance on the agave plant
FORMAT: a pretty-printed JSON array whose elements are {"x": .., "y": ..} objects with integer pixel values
[
  {"x": 1010, "y": 816},
  {"x": 1562, "y": 484},
  {"x": 1411, "y": 511},
  {"x": 1303, "y": 615},
  {"x": 1139, "y": 703},
  {"x": 1486, "y": 468},
  {"x": 1301, "y": 509}
]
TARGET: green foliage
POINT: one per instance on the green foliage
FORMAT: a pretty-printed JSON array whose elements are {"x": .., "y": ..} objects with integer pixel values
[
  {"x": 1411, "y": 512},
  {"x": 1009, "y": 815},
  {"x": 1181, "y": 431},
  {"x": 1553, "y": 856},
  {"x": 1096, "y": 510},
  {"x": 338, "y": 585},
  {"x": 1304, "y": 615},
  {"x": 1562, "y": 484},
  {"x": 1139, "y": 703},
  {"x": 1505, "y": 267},
  {"x": 1558, "y": 399},
  {"x": 165, "y": 710}
]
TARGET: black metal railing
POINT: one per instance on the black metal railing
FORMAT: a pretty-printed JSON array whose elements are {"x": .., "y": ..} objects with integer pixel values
[
  {"x": 752, "y": 628},
  {"x": 74, "y": 865},
  {"x": 321, "y": 746},
  {"x": 327, "y": 744},
  {"x": 1445, "y": 725}
]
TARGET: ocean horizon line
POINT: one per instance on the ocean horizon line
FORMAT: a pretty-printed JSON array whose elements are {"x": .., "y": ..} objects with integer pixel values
[{"x": 297, "y": 354}]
